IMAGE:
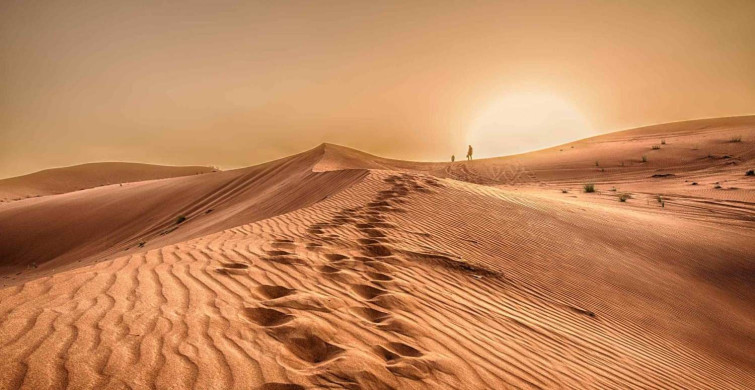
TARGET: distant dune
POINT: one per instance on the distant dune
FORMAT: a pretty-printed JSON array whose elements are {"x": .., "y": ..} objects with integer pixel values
[
  {"x": 334, "y": 268},
  {"x": 80, "y": 177}
]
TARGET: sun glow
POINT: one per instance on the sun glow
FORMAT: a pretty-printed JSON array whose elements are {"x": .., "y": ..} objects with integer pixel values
[{"x": 522, "y": 122}]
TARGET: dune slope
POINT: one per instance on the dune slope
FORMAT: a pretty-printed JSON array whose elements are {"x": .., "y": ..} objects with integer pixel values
[
  {"x": 337, "y": 269},
  {"x": 80, "y": 177},
  {"x": 79, "y": 227}
]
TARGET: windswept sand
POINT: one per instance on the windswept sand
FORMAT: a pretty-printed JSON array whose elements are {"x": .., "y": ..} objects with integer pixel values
[
  {"x": 338, "y": 269},
  {"x": 81, "y": 177}
]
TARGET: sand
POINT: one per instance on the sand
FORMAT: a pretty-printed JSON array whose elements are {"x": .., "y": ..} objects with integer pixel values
[
  {"x": 81, "y": 177},
  {"x": 337, "y": 269}
]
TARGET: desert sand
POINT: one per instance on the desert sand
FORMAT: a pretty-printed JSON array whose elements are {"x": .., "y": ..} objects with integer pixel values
[
  {"x": 81, "y": 177},
  {"x": 334, "y": 268}
]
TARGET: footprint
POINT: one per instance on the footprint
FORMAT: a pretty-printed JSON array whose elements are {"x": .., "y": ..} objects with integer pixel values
[
  {"x": 384, "y": 225},
  {"x": 236, "y": 265},
  {"x": 401, "y": 326},
  {"x": 422, "y": 189},
  {"x": 376, "y": 250},
  {"x": 367, "y": 241},
  {"x": 414, "y": 370},
  {"x": 335, "y": 256},
  {"x": 267, "y": 317},
  {"x": 380, "y": 266},
  {"x": 379, "y": 276},
  {"x": 307, "y": 301},
  {"x": 280, "y": 386},
  {"x": 386, "y": 354},
  {"x": 370, "y": 314},
  {"x": 232, "y": 269},
  {"x": 326, "y": 269},
  {"x": 312, "y": 348},
  {"x": 404, "y": 349},
  {"x": 274, "y": 292},
  {"x": 284, "y": 259},
  {"x": 284, "y": 243},
  {"x": 342, "y": 220},
  {"x": 393, "y": 301},
  {"x": 278, "y": 253},
  {"x": 582, "y": 311},
  {"x": 367, "y": 292}
]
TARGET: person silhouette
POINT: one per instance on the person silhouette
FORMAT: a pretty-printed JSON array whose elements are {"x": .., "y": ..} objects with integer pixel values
[
  {"x": 469, "y": 153},
  {"x": 453, "y": 157}
]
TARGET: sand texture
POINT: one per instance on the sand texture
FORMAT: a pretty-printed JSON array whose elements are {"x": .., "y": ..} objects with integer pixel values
[{"x": 336, "y": 269}]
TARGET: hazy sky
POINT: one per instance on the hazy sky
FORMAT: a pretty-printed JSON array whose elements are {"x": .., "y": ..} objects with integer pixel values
[{"x": 237, "y": 83}]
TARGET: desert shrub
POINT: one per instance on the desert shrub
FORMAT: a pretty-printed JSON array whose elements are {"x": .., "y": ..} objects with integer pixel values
[
  {"x": 751, "y": 172},
  {"x": 597, "y": 164},
  {"x": 180, "y": 219},
  {"x": 717, "y": 186},
  {"x": 564, "y": 191},
  {"x": 737, "y": 138},
  {"x": 613, "y": 189},
  {"x": 644, "y": 158},
  {"x": 589, "y": 187},
  {"x": 656, "y": 147},
  {"x": 663, "y": 142},
  {"x": 623, "y": 197}
]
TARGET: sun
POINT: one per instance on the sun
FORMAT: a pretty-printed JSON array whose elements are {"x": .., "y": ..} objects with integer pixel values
[{"x": 521, "y": 122}]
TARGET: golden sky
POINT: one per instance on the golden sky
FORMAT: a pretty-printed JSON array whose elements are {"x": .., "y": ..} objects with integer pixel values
[{"x": 238, "y": 83}]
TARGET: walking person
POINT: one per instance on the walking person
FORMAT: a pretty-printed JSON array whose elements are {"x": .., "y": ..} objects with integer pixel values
[
  {"x": 469, "y": 153},
  {"x": 453, "y": 157}
]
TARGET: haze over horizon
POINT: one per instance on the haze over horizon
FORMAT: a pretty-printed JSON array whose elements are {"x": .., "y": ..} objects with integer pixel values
[{"x": 238, "y": 84}]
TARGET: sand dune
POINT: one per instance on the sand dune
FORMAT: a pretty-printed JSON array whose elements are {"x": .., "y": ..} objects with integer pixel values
[
  {"x": 337, "y": 269},
  {"x": 80, "y": 177}
]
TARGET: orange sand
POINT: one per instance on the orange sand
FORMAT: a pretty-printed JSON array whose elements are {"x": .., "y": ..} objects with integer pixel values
[{"x": 337, "y": 269}]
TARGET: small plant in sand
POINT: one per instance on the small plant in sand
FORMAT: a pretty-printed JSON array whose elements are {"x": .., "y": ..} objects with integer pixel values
[
  {"x": 663, "y": 142},
  {"x": 597, "y": 164},
  {"x": 180, "y": 219},
  {"x": 589, "y": 187},
  {"x": 737, "y": 138},
  {"x": 717, "y": 186},
  {"x": 623, "y": 197},
  {"x": 751, "y": 172},
  {"x": 564, "y": 191},
  {"x": 613, "y": 189},
  {"x": 644, "y": 158},
  {"x": 656, "y": 147},
  {"x": 622, "y": 163}
]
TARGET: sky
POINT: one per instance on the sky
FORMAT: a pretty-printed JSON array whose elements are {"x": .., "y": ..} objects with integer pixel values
[{"x": 234, "y": 84}]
